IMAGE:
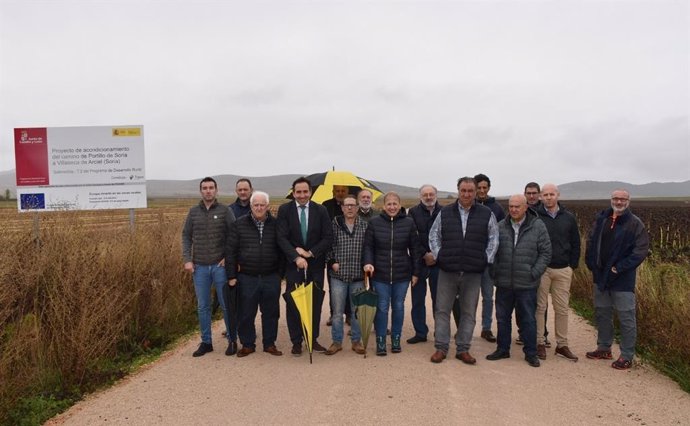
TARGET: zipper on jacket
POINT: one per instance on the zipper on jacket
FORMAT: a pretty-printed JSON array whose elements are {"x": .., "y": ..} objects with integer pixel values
[{"x": 392, "y": 250}]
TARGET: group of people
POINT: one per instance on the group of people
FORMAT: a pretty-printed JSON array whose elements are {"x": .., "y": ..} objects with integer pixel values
[{"x": 457, "y": 252}]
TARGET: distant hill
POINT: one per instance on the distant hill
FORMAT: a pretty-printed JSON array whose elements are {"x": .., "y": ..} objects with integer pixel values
[
  {"x": 593, "y": 190},
  {"x": 279, "y": 185},
  {"x": 276, "y": 186}
]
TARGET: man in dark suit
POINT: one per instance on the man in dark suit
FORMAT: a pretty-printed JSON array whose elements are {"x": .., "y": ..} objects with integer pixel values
[{"x": 305, "y": 235}]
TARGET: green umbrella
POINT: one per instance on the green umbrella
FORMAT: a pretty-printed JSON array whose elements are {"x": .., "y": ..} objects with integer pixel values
[{"x": 365, "y": 303}]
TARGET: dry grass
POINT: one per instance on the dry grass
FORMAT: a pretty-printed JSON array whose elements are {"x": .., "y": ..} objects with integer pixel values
[{"x": 82, "y": 297}]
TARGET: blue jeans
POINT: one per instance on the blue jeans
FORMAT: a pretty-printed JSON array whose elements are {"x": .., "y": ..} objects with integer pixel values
[
  {"x": 418, "y": 312},
  {"x": 525, "y": 304},
  {"x": 339, "y": 291},
  {"x": 466, "y": 287},
  {"x": 205, "y": 277},
  {"x": 390, "y": 294},
  {"x": 254, "y": 293},
  {"x": 624, "y": 304},
  {"x": 487, "y": 300}
]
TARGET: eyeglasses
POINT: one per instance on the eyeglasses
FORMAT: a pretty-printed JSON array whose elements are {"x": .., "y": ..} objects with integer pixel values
[
  {"x": 349, "y": 206},
  {"x": 619, "y": 200}
]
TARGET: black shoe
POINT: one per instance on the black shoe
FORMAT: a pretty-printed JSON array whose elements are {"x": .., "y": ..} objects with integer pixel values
[
  {"x": 232, "y": 348},
  {"x": 296, "y": 349},
  {"x": 203, "y": 349},
  {"x": 416, "y": 339},
  {"x": 498, "y": 354},
  {"x": 488, "y": 336},
  {"x": 316, "y": 347},
  {"x": 533, "y": 361}
]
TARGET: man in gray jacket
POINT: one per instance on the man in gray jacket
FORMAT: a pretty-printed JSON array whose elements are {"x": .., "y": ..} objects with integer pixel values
[
  {"x": 524, "y": 251},
  {"x": 204, "y": 238}
]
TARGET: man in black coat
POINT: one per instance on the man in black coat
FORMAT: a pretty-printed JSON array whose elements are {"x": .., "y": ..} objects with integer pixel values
[
  {"x": 254, "y": 263},
  {"x": 305, "y": 235}
]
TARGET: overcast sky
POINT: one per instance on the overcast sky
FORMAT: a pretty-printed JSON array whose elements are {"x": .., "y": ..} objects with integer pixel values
[{"x": 404, "y": 92}]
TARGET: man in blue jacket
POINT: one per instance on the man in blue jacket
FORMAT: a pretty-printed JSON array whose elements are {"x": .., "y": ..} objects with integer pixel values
[
  {"x": 483, "y": 187},
  {"x": 616, "y": 246}
]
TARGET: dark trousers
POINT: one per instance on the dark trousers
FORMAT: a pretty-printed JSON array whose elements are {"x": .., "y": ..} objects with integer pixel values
[
  {"x": 524, "y": 302},
  {"x": 256, "y": 292},
  {"x": 418, "y": 291},
  {"x": 293, "y": 276}
]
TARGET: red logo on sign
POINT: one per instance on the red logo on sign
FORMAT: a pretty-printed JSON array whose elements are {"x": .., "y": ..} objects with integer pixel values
[{"x": 31, "y": 156}]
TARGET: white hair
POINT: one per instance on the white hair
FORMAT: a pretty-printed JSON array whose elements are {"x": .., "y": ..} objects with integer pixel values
[{"x": 261, "y": 194}]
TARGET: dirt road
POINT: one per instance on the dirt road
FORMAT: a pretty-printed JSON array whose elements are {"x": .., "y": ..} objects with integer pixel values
[{"x": 397, "y": 389}]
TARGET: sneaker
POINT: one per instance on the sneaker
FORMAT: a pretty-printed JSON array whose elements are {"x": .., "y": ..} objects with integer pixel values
[
  {"x": 564, "y": 351},
  {"x": 621, "y": 364},
  {"x": 599, "y": 354},
  {"x": 541, "y": 351},
  {"x": 519, "y": 341},
  {"x": 203, "y": 349},
  {"x": 334, "y": 348}
]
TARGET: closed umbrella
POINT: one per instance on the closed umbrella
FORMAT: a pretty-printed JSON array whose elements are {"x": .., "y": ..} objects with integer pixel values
[
  {"x": 365, "y": 303},
  {"x": 302, "y": 297}
]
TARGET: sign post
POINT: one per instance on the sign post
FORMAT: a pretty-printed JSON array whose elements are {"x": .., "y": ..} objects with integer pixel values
[{"x": 80, "y": 168}]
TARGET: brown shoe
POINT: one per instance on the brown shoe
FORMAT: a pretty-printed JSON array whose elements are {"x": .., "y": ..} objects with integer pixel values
[
  {"x": 466, "y": 358},
  {"x": 334, "y": 348},
  {"x": 541, "y": 351},
  {"x": 358, "y": 348},
  {"x": 564, "y": 351},
  {"x": 273, "y": 350},
  {"x": 438, "y": 357},
  {"x": 488, "y": 336},
  {"x": 246, "y": 350}
]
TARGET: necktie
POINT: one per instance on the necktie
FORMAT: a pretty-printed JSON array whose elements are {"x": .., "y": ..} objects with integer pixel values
[{"x": 303, "y": 222}]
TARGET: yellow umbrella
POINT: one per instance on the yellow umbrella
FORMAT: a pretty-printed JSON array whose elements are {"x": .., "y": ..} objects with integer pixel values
[
  {"x": 322, "y": 185},
  {"x": 302, "y": 295}
]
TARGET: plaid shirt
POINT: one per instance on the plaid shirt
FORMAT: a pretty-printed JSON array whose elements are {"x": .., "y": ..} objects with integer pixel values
[
  {"x": 347, "y": 250},
  {"x": 260, "y": 226}
]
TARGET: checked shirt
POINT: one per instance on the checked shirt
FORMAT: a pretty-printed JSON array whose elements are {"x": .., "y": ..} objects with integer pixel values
[{"x": 347, "y": 250}]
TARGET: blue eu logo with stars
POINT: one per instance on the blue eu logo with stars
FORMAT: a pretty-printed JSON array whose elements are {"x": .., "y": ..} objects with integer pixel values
[{"x": 32, "y": 201}]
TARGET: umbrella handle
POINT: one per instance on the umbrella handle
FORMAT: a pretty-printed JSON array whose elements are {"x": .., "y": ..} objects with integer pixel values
[{"x": 366, "y": 280}]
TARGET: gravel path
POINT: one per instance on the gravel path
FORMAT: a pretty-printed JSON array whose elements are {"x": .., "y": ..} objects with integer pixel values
[{"x": 397, "y": 389}]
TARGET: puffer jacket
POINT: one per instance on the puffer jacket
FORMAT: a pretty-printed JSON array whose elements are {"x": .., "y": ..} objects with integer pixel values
[
  {"x": 391, "y": 244},
  {"x": 251, "y": 253},
  {"x": 630, "y": 247},
  {"x": 520, "y": 266},
  {"x": 205, "y": 232}
]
